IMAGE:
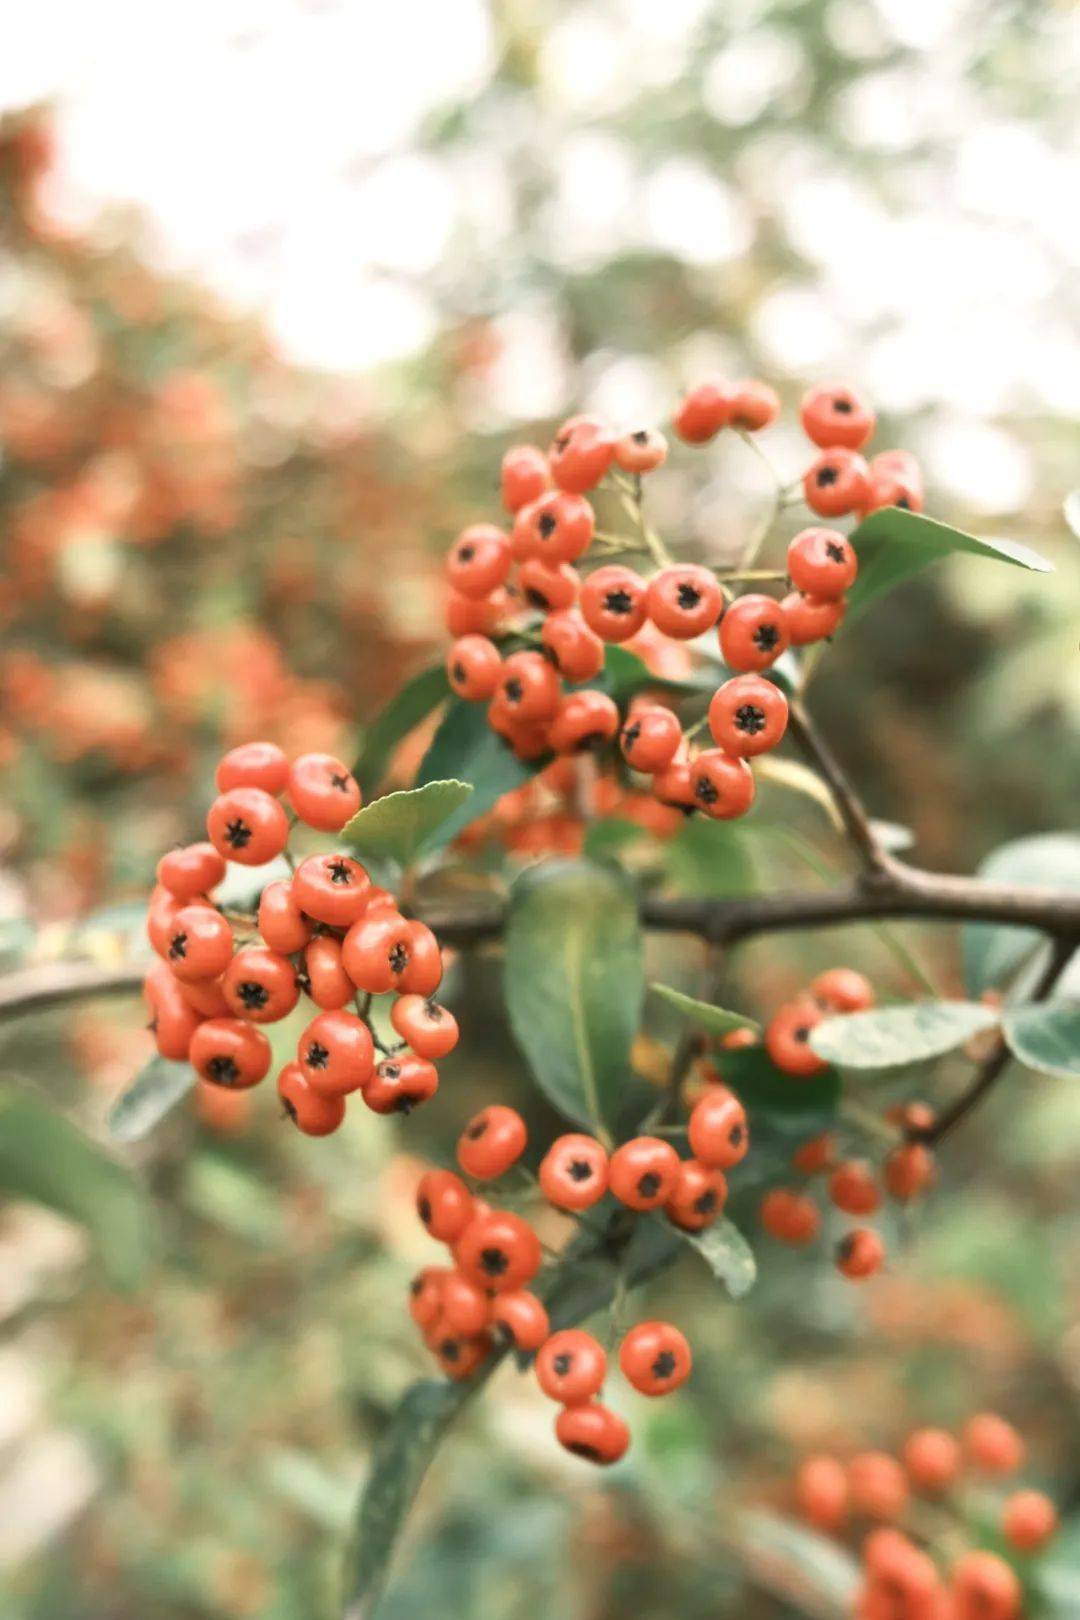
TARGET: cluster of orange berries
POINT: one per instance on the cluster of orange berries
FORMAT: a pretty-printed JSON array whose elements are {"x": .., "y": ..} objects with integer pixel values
[
  {"x": 326, "y": 932},
  {"x": 462, "y": 1309},
  {"x": 901, "y": 1580}
]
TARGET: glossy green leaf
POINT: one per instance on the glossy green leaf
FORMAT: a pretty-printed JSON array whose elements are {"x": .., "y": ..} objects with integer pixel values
[
  {"x": 713, "y": 1020},
  {"x": 728, "y": 1255},
  {"x": 1046, "y": 1036},
  {"x": 399, "y": 826},
  {"x": 992, "y": 953},
  {"x": 887, "y": 1037},
  {"x": 574, "y": 983},
  {"x": 893, "y": 544},
  {"x": 466, "y": 749},
  {"x": 415, "y": 701},
  {"x": 154, "y": 1092},
  {"x": 580, "y": 1290},
  {"x": 709, "y": 858},
  {"x": 47, "y": 1160}
]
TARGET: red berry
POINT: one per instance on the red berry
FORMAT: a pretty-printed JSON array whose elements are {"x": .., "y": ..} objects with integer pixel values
[
  {"x": 473, "y": 666},
  {"x": 674, "y": 785},
  {"x": 160, "y": 916},
  {"x": 328, "y": 984},
  {"x": 992, "y": 1444},
  {"x": 281, "y": 922},
  {"x": 323, "y": 791},
  {"x": 425, "y": 1294},
  {"x": 260, "y": 984},
  {"x": 932, "y": 1460},
  {"x": 641, "y": 451},
  {"x": 445, "y": 1206},
  {"x": 581, "y": 453},
  {"x": 723, "y": 787},
  {"x": 491, "y": 1142},
  {"x": 719, "y": 1132},
  {"x": 200, "y": 943},
  {"x": 684, "y": 601},
  {"x": 499, "y": 1251},
  {"x": 703, "y": 412},
  {"x": 574, "y": 1172},
  {"x": 191, "y": 871},
  {"x": 548, "y": 587},
  {"x": 891, "y": 489},
  {"x": 613, "y": 602},
  {"x": 577, "y": 651},
  {"x": 853, "y": 1188},
  {"x": 525, "y": 475},
  {"x": 593, "y": 1432},
  {"x": 650, "y": 738},
  {"x": 844, "y": 990},
  {"x": 528, "y": 687},
  {"x": 571, "y": 1366},
  {"x": 557, "y": 527},
  {"x": 859, "y": 1254},
  {"x": 747, "y": 715},
  {"x": 753, "y": 633},
  {"x": 248, "y": 826},
  {"x": 583, "y": 721},
  {"x": 754, "y": 405},
  {"x": 985, "y": 1588},
  {"x": 466, "y": 1309},
  {"x": 836, "y": 482},
  {"x": 834, "y": 414},
  {"x": 174, "y": 1019},
  {"x": 336, "y": 1054},
  {"x": 479, "y": 560},
  {"x": 257, "y": 764},
  {"x": 311, "y": 1111},
  {"x": 814, "y": 1155},
  {"x": 1029, "y": 1521},
  {"x": 822, "y": 563},
  {"x": 787, "y": 1038},
  {"x": 377, "y": 951},
  {"x": 821, "y": 1490},
  {"x": 459, "y": 1358},
  {"x": 523, "y": 1317},
  {"x": 469, "y": 615},
  {"x": 655, "y": 1357},
  {"x": 644, "y": 1172},
  {"x": 430, "y": 1029},
  {"x": 908, "y": 1171},
  {"x": 790, "y": 1217},
  {"x": 877, "y": 1485},
  {"x": 229, "y": 1052},
  {"x": 400, "y": 1084},
  {"x": 811, "y": 618},
  {"x": 204, "y": 996},
  {"x": 334, "y": 889},
  {"x": 698, "y": 1197}
]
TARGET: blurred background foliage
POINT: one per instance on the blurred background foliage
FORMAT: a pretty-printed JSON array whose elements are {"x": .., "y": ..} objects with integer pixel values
[{"x": 225, "y": 485}]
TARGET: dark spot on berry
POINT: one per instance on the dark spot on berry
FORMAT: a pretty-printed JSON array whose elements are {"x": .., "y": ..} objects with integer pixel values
[
  {"x": 842, "y": 404},
  {"x": 705, "y": 790},
  {"x": 458, "y": 672},
  {"x": 546, "y": 524},
  {"x": 835, "y": 551},
  {"x": 749, "y": 718},
  {"x": 766, "y": 637},
  {"x": 340, "y": 780},
  {"x": 846, "y": 1247},
  {"x": 288, "y": 1110},
  {"x": 562, "y": 443},
  {"x": 390, "y": 1071},
  {"x": 450, "y": 1350},
  {"x": 434, "y": 1012},
  {"x": 619, "y": 601},
  {"x": 687, "y": 596},
  {"x": 802, "y": 1034},
  {"x": 398, "y": 958},
  {"x": 641, "y": 436},
  {"x": 466, "y": 554},
  {"x": 561, "y": 1365},
  {"x": 826, "y": 476},
  {"x": 735, "y": 1136},
  {"x": 537, "y": 599},
  {"x": 664, "y": 1365},
  {"x": 579, "y": 1170},
  {"x": 303, "y": 983},
  {"x": 706, "y": 1203},
  {"x": 513, "y": 691},
  {"x": 253, "y": 994},
  {"x": 317, "y": 1056},
  {"x": 580, "y": 1449},
  {"x": 649, "y": 1184},
  {"x": 416, "y": 1287},
  {"x": 223, "y": 1071},
  {"x": 237, "y": 834},
  {"x": 405, "y": 1103},
  {"x": 493, "y": 1262},
  {"x": 477, "y": 1129},
  {"x": 339, "y": 871},
  {"x": 423, "y": 1209},
  {"x": 904, "y": 504},
  {"x": 631, "y": 733},
  {"x": 178, "y": 947}
]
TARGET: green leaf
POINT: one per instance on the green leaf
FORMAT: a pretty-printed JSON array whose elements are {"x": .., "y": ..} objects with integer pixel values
[
  {"x": 992, "y": 954},
  {"x": 466, "y": 749},
  {"x": 399, "y": 826},
  {"x": 728, "y": 1255},
  {"x": 156, "y": 1089},
  {"x": 402, "y": 714},
  {"x": 47, "y": 1160},
  {"x": 708, "y": 858},
  {"x": 574, "y": 982},
  {"x": 1045, "y": 1036},
  {"x": 713, "y": 1020},
  {"x": 580, "y": 1290},
  {"x": 777, "y": 1102},
  {"x": 887, "y": 1037},
  {"x": 625, "y": 674},
  {"x": 398, "y": 1466},
  {"x": 893, "y": 544}
]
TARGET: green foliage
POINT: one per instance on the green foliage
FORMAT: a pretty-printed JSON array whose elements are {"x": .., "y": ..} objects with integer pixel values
[
  {"x": 893, "y": 544},
  {"x": 399, "y": 826},
  {"x": 413, "y": 703},
  {"x": 1046, "y": 1036},
  {"x": 727, "y": 1254},
  {"x": 467, "y": 750},
  {"x": 156, "y": 1089},
  {"x": 574, "y": 982},
  {"x": 888, "y": 1037},
  {"x": 713, "y": 1020},
  {"x": 775, "y": 1101},
  {"x": 45, "y": 1159},
  {"x": 992, "y": 954}
]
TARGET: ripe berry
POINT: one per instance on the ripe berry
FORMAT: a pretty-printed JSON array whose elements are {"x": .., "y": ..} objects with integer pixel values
[
  {"x": 655, "y": 1357},
  {"x": 260, "y": 984},
  {"x": 703, "y": 412},
  {"x": 160, "y": 916},
  {"x": 465, "y": 1308},
  {"x": 684, "y": 601},
  {"x": 525, "y": 476},
  {"x": 523, "y": 1317},
  {"x": 191, "y": 871},
  {"x": 471, "y": 615},
  {"x": 1029, "y": 1521},
  {"x": 902, "y": 1580},
  {"x": 248, "y": 826},
  {"x": 323, "y": 792},
  {"x": 174, "y": 1020},
  {"x": 491, "y": 1142},
  {"x": 577, "y": 651},
  {"x": 334, "y": 889},
  {"x": 834, "y": 414},
  {"x": 650, "y": 738},
  {"x": 697, "y": 1198},
  {"x": 499, "y": 1250},
  {"x": 877, "y": 1485},
  {"x": 200, "y": 943},
  {"x": 641, "y": 451},
  {"x": 985, "y": 1588},
  {"x": 425, "y": 1294},
  {"x": 583, "y": 721},
  {"x": 459, "y": 1358},
  {"x": 327, "y": 982},
  {"x": 311, "y": 1111},
  {"x": 859, "y": 1254},
  {"x": 908, "y": 1171},
  {"x": 822, "y": 563},
  {"x": 229, "y": 1052},
  {"x": 473, "y": 666},
  {"x": 932, "y": 1460},
  {"x": 992, "y": 1444},
  {"x": 581, "y": 453},
  {"x": 574, "y": 1172},
  {"x": 814, "y": 1155},
  {"x": 548, "y": 587},
  {"x": 891, "y": 489},
  {"x": 853, "y": 1188},
  {"x": 400, "y": 1084},
  {"x": 753, "y": 633},
  {"x": 204, "y": 996},
  {"x": 811, "y": 618},
  {"x": 444, "y": 1205},
  {"x": 747, "y": 715},
  {"x": 790, "y": 1217},
  {"x": 571, "y": 1366},
  {"x": 787, "y": 1038},
  {"x": 754, "y": 405},
  {"x": 593, "y": 1432},
  {"x": 377, "y": 951},
  {"x": 527, "y": 738},
  {"x": 723, "y": 787},
  {"x": 836, "y": 482},
  {"x": 256, "y": 764},
  {"x": 479, "y": 560},
  {"x": 719, "y": 1132},
  {"x": 528, "y": 687},
  {"x": 843, "y": 990},
  {"x": 557, "y": 527},
  {"x": 281, "y": 922},
  {"x": 336, "y": 1053},
  {"x": 430, "y": 1029},
  {"x": 821, "y": 1490},
  {"x": 674, "y": 785},
  {"x": 613, "y": 602},
  {"x": 644, "y": 1172}
]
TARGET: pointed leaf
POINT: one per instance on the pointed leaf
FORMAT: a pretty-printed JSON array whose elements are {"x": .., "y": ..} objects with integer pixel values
[
  {"x": 399, "y": 826},
  {"x": 992, "y": 954},
  {"x": 728, "y": 1255},
  {"x": 887, "y": 1037},
  {"x": 1046, "y": 1036},
  {"x": 466, "y": 748},
  {"x": 156, "y": 1089},
  {"x": 402, "y": 714},
  {"x": 574, "y": 983},
  {"x": 713, "y": 1020},
  {"x": 893, "y": 544}
]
